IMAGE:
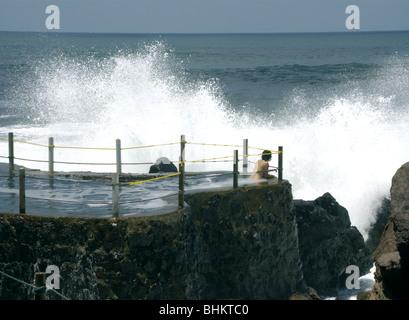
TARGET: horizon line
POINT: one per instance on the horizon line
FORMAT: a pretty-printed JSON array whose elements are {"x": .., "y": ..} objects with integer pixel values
[{"x": 205, "y": 33}]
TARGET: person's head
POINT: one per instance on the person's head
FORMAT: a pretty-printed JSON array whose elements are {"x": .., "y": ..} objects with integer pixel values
[{"x": 266, "y": 156}]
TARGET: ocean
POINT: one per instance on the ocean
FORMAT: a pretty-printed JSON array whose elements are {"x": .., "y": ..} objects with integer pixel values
[{"x": 337, "y": 102}]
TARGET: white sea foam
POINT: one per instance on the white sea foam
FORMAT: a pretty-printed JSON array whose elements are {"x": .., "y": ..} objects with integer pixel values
[
  {"x": 349, "y": 146},
  {"x": 141, "y": 98}
]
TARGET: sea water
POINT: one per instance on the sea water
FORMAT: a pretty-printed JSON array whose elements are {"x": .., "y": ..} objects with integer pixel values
[{"x": 336, "y": 102}]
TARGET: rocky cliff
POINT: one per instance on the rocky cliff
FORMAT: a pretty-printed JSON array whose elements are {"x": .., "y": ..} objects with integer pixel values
[
  {"x": 231, "y": 244},
  {"x": 247, "y": 243},
  {"x": 392, "y": 254},
  {"x": 328, "y": 244}
]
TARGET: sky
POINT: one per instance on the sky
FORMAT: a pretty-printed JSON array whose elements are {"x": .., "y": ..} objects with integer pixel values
[{"x": 203, "y": 16}]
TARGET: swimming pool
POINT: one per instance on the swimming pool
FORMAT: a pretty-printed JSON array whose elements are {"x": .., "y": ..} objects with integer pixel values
[{"x": 89, "y": 194}]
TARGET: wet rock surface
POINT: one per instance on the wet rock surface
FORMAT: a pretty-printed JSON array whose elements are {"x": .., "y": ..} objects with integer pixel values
[
  {"x": 246, "y": 243},
  {"x": 392, "y": 254},
  {"x": 235, "y": 244},
  {"x": 328, "y": 243}
]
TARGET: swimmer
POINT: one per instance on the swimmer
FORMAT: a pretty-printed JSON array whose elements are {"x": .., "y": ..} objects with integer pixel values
[{"x": 261, "y": 168}]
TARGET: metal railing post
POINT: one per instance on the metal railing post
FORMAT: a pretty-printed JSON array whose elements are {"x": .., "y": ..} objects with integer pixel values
[
  {"x": 280, "y": 163},
  {"x": 118, "y": 156},
  {"x": 235, "y": 168},
  {"x": 39, "y": 282},
  {"x": 182, "y": 148},
  {"x": 51, "y": 154},
  {"x": 11, "y": 152},
  {"x": 22, "y": 190},
  {"x": 115, "y": 194},
  {"x": 181, "y": 198},
  {"x": 245, "y": 155}
]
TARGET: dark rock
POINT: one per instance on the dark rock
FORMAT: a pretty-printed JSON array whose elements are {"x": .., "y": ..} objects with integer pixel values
[
  {"x": 363, "y": 295},
  {"x": 238, "y": 243},
  {"x": 310, "y": 294},
  {"x": 223, "y": 245},
  {"x": 163, "y": 164},
  {"x": 376, "y": 228},
  {"x": 328, "y": 243},
  {"x": 332, "y": 208},
  {"x": 392, "y": 254},
  {"x": 245, "y": 243}
]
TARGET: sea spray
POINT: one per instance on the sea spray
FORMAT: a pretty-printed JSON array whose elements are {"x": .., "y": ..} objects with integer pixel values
[
  {"x": 347, "y": 140},
  {"x": 348, "y": 143},
  {"x": 142, "y": 98}
]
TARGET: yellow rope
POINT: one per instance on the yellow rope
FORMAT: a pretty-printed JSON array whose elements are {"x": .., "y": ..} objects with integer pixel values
[
  {"x": 139, "y": 182},
  {"x": 203, "y": 160},
  {"x": 32, "y": 143},
  {"x": 83, "y": 148},
  {"x": 248, "y": 155},
  {"x": 214, "y": 144},
  {"x": 91, "y": 148},
  {"x": 260, "y": 154},
  {"x": 264, "y": 149},
  {"x": 154, "y": 145},
  {"x": 149, "y": 146},
  {"x": 61, "y": 147},
  {"x": 139, "y": 147}
]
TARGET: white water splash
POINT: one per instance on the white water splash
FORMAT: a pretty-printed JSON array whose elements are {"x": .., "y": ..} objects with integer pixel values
[{"x": 349, "y": 146}]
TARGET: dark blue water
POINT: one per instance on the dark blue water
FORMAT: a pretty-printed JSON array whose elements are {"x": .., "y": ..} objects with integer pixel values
[
  {"x": 337, "y": 102},
  {"x": 257, "y": 71}
]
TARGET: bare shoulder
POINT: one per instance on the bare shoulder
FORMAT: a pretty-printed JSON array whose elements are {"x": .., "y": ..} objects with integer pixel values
[{"x": 263, "y": 165}]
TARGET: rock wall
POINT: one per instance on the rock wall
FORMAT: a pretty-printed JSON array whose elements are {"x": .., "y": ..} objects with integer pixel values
[
  {"x": 232, "y": 244},
  {"x": 244, "y": 244},
  {"x": 328, "y": 244},
  {"x": 392, "y": 254}
]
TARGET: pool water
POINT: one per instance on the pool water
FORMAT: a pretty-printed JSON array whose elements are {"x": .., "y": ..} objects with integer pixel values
[{"x": 64, "y": 194}]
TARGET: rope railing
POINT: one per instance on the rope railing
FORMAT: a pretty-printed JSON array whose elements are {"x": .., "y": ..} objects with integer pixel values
[
  {"x": 153, "y": 179},
  {"x": 39, "y": 289},
  {"x": 51, "y": 146},
  {"x": 115, "y": 176}
]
